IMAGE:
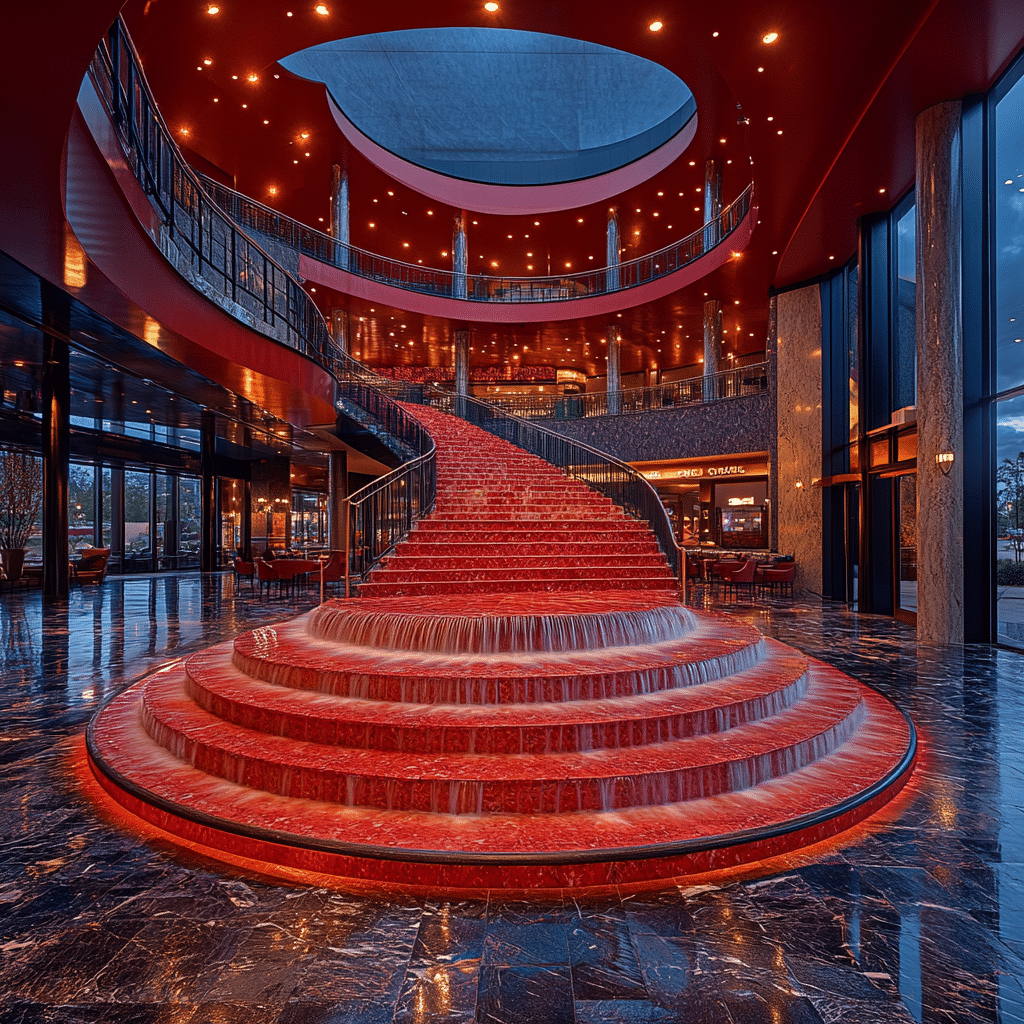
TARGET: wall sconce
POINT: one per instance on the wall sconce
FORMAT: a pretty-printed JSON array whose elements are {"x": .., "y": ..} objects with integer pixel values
[
  {"x": 944, "y": 460},
  {"x": 799, "y": 485}
]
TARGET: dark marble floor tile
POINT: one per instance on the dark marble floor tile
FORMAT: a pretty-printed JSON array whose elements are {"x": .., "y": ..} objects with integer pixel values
[{"x": 920, "y": 920}]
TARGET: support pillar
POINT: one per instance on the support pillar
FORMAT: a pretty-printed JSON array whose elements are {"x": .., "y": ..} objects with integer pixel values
[
  {"x": 614, "y": 400},
  {"x": 461, "y": 362},
  {"x": 712, "y": 203},
  {"x": 940, "y": 384},
  {"x": 612, "y": 246},
  {"x": 339, "y": 328},
  {"x": 56, "y": 461},
  {"x": 712, "y": 346},
  {"x": 117, "y": 517},
  {"x": 460, "y": 259},
  {"x": 338, "y": 483},
  {"x": 245, "y": 539},
  {"x": 208, "y": 494},
  {"x": 339, "y": 212}
]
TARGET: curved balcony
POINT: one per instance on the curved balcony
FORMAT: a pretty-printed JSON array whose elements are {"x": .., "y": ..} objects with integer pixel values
[{"x": 323, "y": 260}]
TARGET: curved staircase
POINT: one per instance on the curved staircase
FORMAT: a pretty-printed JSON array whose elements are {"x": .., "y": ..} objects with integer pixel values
[{"x": 581, "y": 729}]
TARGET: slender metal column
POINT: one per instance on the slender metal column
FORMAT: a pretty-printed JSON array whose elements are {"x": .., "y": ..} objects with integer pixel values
[
  {"x": 339, "y": 212},
  {"x": 712, "y": 345},
  {"x": 245, "y": 539},
  {"x": 614, "y": 399},
  {"x": 56, "y": 461},
  {"x": 940, "y": 381},
  {"x": 460, "y": 258},
  {"x": 712, "y": 203},
  {"x": 339, "y": 328},
  {"x": 611, "y": 277},
  {"x": 207, "y": 462}
]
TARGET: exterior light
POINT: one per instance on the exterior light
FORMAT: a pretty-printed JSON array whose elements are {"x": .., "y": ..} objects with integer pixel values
[
  {"x": 944, "y": 460},
  {"x": 769, "y": 37}
]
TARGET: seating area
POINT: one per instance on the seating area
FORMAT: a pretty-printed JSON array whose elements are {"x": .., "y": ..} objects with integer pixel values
[
  {"x": 91, "y": 567},
  {"x": 750, "y": 576},
  {"x": 284, "y": 575}
]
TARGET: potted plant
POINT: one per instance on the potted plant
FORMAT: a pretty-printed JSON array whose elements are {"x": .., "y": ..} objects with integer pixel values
[{"x": 21, "y": 493}]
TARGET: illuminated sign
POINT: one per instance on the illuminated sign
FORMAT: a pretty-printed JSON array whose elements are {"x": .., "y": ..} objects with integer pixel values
[{"x": 741, "y": 501}]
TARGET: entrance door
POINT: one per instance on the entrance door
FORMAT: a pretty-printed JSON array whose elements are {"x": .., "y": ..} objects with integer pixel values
[{"x": 905, "y": 536}]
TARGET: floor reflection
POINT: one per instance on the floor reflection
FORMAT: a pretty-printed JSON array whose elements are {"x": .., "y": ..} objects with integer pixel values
[{"x": 919, "y": 920}]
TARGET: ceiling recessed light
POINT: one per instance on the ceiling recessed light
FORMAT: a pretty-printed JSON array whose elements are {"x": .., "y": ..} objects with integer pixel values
[
  {"x": 492, "y": 7},
  {"x": 769, "y": 37},
  {"x": 760, "y": 69},
  {"x": 207, "y": 62},
  {"x": 213, "y": 9},
  {"x": 655, "y": 26},
  {"x": 322, "y": 10},
  {"x": 253, "y": 77}
]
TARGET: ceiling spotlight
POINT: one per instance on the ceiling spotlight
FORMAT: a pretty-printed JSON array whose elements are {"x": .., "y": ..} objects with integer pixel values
[
  {"x": 655, "y": 26},
  {"x": 769, "y": 37},
  {"x": 492, "y": 7},
  {"x": 321, "y": 9},
  {"x": 213, "y": 9},
  {"x": 207, "y": 62},
  {"x": 253, "y": 77}
]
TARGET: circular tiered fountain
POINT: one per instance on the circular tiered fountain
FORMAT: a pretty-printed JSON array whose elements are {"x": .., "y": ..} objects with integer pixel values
[{"x": 502, "y": 741}]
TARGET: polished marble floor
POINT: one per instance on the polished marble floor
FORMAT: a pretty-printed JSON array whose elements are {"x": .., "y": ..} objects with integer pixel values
[{"x": 918, "y": 917}]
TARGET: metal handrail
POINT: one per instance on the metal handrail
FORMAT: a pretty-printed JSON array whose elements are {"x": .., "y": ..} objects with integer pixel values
[
  {"x": 481, "y": 287},
  {"x": 253, "y": 286},
  {"x": 738, "y": 382}
]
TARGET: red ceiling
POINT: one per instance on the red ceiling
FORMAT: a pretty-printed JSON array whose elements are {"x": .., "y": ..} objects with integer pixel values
[{"x": 842, "y": 83}]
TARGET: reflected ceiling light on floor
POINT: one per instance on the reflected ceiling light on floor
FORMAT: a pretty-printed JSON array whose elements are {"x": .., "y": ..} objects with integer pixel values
[{"x": 769, "y": 37}]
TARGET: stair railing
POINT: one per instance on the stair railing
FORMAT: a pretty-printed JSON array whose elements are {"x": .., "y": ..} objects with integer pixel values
[{"x": 257, "y": 290}]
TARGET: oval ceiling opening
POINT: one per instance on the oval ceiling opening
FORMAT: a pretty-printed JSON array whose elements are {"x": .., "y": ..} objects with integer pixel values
[{"x": 503, "y": 109}]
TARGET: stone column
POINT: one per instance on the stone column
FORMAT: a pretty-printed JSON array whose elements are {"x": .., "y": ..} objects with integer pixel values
[
  {"x": 207, "y": 468},
  {"x": 712, "y": 345},
  {"x": 798, "y": 508},
  {"x": 611, "y": 277},
  {"x": 338, "y": 484},
  {"x": 339, "y": 212},
  {"x": 339, "y": 328},
  {"x": 940, "y": 388},
  {"x": 56, "y": 461},
  {"x": 614, "y": 371},
  {"x": 460, "y": 258},
  {"x": 712, "y": 203},
  {"x": 461, "y": 362}
]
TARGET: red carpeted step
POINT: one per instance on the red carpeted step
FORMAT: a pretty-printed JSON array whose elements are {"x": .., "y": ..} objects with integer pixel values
[{"x": 510, "y": 586}]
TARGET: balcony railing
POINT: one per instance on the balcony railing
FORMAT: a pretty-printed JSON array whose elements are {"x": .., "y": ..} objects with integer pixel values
[
  {"x": 479, "y": 287},
  {"x": 735, "y": 383}
]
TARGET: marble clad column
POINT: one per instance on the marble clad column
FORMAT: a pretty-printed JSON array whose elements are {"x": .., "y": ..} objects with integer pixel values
[
  {"x": 614, "y": 357},
  {"x": 940, "y": 391},
  {"x": 208, "y": 495},
  {"x": 712, "y": 202},
  {"x": 460, "y": 258},
  {"x": 798, "y": 507},
  {"x": 462, "y": 362},
  {"x": 339, "y": 206},
  {"x": 712, "y": 345},
  {"x": 611, "y": 277}
]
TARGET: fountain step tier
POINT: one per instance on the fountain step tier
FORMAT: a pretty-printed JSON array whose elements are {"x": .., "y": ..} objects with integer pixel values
[
  {"x": 459, "y": 784},
  {"x": 491, "y": 625},
  {"x": 440, "y": 547},
  {"x": 287, "y": 655},
  {"x": 217, "y": 686},
  {"x": 398, "y": 569},
  {"x": 441, "y": 588},
  {"x": 630, "y": 847}
]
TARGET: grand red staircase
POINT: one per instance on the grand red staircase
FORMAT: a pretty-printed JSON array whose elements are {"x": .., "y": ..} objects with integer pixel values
[
  {"x": 507, "y": 521},
  {"x": 523, "y": 703}
]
